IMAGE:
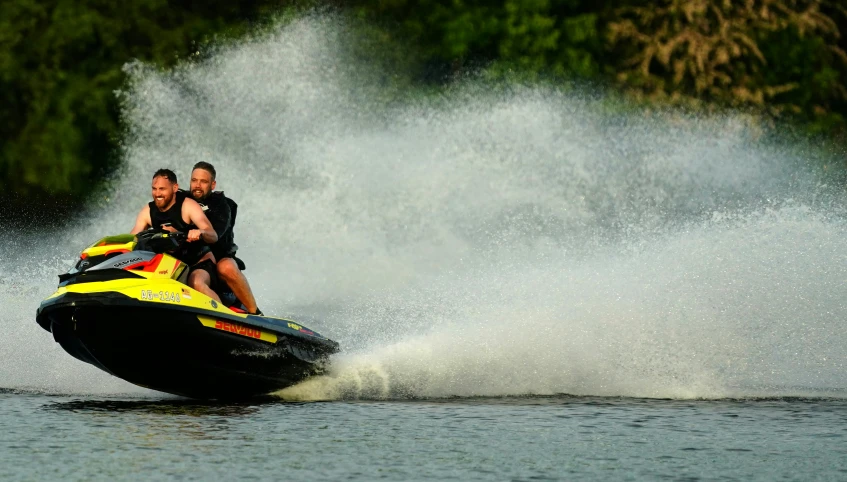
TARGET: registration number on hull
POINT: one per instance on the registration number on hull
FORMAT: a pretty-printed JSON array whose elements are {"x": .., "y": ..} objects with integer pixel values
[{"x": 170, "y": 296}]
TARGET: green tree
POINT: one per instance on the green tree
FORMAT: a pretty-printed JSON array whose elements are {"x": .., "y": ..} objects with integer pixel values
[
  {"x": 777, "y": 56},
  {"x": 551, "y": 37},
  {"x": 60, "y": 63}
]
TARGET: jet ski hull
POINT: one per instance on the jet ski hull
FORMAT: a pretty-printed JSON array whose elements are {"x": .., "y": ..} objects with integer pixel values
[{"x": 183, "y": 350}]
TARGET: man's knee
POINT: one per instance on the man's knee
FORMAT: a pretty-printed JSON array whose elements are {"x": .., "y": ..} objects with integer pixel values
[
  {"x": 227, "y": 269},
  {"x": 198, "y": 278}
]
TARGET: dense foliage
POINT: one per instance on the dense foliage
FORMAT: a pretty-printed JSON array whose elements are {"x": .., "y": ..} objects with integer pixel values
[
  {"x": 778, "y": 57},
  {"x": 61, "y": 61}
]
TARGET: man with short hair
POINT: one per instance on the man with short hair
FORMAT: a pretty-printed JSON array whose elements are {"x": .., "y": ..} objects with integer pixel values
[
  {"x": 221, "y": 212},
  {"x": 174, "y": 213}
]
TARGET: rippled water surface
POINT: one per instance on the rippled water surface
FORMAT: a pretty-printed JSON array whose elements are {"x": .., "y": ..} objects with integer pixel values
[{"x": 523, "y": 438}]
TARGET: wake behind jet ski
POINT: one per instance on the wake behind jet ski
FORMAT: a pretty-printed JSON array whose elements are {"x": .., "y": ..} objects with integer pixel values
[{"x": 126, "y": 309}]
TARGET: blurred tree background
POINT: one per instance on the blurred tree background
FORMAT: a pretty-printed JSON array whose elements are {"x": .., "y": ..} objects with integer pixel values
[{"x": 61, "y": 61}]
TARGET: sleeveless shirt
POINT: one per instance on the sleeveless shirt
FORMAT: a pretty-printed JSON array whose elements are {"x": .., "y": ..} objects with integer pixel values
[{"x": 188, "y": 253}]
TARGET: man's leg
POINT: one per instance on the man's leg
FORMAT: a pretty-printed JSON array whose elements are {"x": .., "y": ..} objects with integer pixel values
[
  {"x": 200, "y": 280},
  {"x": 229, "y": 272}
]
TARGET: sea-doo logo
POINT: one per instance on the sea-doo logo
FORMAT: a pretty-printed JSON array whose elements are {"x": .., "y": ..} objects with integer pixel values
[
  {"x": 238, "y": 329},
  {"x": 127, "y": 262}
]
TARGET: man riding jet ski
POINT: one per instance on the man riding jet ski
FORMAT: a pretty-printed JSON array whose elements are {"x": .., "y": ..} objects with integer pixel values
[
  {"x": 173, "y": 213},
  {"x": 221, "y": 212}
]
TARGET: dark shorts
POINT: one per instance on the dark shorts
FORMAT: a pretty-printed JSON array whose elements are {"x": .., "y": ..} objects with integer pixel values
[
  {"x": 209, "y": 267},
  {"x": 189, "y": 253},
  {"x": 240, "y": 263}
]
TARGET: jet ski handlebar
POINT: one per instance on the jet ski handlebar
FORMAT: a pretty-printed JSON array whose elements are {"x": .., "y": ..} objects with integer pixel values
[{"x": 159, "y": 240}]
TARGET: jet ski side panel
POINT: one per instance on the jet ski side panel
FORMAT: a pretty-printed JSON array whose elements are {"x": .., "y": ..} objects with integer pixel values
[
  {"x": 172, "y": 295},
  {"x": 175, "y": 352},
  {"x": 180, "y": 349}
]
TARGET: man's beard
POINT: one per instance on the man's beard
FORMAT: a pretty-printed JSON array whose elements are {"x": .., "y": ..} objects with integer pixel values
[
  {"x": 201, "y": 196},
  {"x": 166, "y": 200}
]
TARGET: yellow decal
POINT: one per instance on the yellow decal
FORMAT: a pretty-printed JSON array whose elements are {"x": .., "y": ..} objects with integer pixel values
[
  {"x": 58, "y": 292},
  {"x": 161, "y": 267},
  {"x": 237, "y": 328},
  {"x": 123, "y": 242},
  {"x": 295, "y": 326},
  {"x": 180, "y": 267}
]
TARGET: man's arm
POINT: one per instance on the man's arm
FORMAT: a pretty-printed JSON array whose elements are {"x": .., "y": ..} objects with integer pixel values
[
  {"x": 142, "y": 221},
  {"x": 198, "y": 218}
]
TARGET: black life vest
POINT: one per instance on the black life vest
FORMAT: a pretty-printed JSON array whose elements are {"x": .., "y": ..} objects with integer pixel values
[{"x": 213, "y": 205}]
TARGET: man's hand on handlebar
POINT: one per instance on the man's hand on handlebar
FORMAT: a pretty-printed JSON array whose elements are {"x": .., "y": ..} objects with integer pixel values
[{"x": 194, "y": 235}]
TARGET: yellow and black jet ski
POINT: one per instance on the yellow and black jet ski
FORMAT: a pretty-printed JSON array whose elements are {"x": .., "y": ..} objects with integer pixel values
[{"x": 125, "y": 308}]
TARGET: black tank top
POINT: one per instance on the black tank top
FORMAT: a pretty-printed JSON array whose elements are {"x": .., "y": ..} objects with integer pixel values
[
  {"x": 188, "y": 253},
  {"x": 172, "y": 216}
]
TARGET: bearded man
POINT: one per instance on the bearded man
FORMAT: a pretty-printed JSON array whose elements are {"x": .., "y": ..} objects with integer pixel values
[
  {"x": 175, "y": 213},
  {"x": 221, "y": 212}
]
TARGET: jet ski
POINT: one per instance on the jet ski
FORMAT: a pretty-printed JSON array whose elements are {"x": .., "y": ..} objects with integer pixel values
[{"x": 125, "y": 308}]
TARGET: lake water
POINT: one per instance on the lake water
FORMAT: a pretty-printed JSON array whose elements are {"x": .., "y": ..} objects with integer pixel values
[{"x": 512, "y": 438}]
